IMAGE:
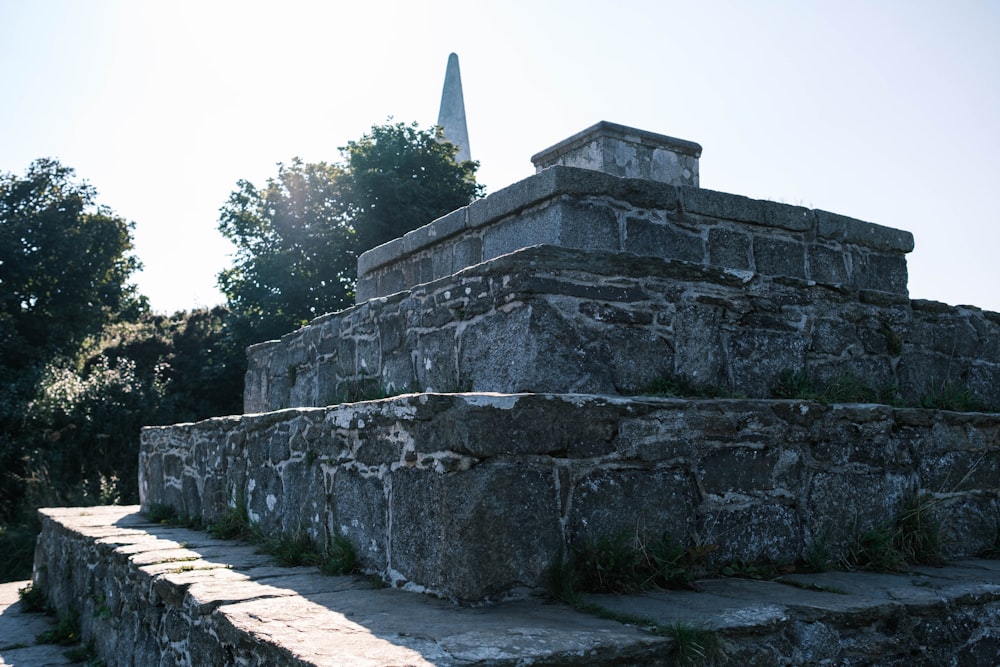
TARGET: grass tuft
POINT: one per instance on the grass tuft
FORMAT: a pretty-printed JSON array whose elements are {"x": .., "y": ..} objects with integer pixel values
[
  {"x": 914, "y": 537},
  {"x": 694, "y": 645},
  {"x": 623, "y": 563}
]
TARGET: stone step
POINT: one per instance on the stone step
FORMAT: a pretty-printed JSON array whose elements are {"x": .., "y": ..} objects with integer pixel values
[
  {"x": 149, "y": 594},
  {"x": 472, "y": 496}
]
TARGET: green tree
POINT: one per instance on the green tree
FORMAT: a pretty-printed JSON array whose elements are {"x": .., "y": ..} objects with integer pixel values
[
  {"x": 294, "y": 249},
  {"x": 64, "y": 264},
  {"x": 297, "y": 239},
  {"x": 402, "y": 177}
]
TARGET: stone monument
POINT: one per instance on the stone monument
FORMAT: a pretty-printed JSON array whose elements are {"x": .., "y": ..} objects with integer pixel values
[
  {"x": 452, "y": 114},
  {"x": 510, "y": 351}
]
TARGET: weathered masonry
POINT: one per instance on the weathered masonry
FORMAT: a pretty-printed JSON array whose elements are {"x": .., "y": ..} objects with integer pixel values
[
  {"x": 516, "y": 334},
  {"x": 515, "y": 339}
]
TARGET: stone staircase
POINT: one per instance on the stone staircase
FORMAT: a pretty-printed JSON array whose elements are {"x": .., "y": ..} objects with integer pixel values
[{"x": 507, "y": 351}]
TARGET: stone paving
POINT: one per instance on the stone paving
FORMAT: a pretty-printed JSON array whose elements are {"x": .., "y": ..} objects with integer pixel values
[{"x": 19, "y": 630}]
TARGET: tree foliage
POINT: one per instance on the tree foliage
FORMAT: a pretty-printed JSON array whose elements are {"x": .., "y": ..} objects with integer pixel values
[
  {"x": 64, "y": 263},
  {"x": 297, "y": 239},
  {"x": 294, "y": 249},
  {"x": 402, "y": 177},
  {"x": 83, "y": 364}
]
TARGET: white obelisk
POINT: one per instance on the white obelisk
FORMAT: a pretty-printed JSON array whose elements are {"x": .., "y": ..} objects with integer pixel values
[{"x": 452, "y": 114}]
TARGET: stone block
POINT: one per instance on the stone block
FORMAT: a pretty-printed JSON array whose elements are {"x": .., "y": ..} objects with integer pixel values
[
  {"x": 360, "y": 511},
  {"x": 468, "y": 251},
  {"x": 748, "y": 471},
  {"x": 722, "y": 206},
  {"x": 626, "y": 152},
  {"x": 756, "y": 360},
  {"x": 540, "y": 225},
  {"x": 840, "y": 228},
  {"x": 764, "y": 531},
  {"x": 662, "y": 239},
  {"x": 827, "y": 266},
  {"x": 384, "y": 254},
  {"x": 481, "y": 534},
  {"x": 434, "y": 232},
  {"x": 786, "y": 216},
  {"x": 644, "y": 505},
  {"x": 842, "y": 505},
  {"x": 729, "y": 248},
  {"x": 434, "y": 362},
  {"x": 390, "y": 282},
  {"x": 880, "y": 272},
  {"x": 698, "y": 345},
  {"x": 588, "y": 225},
  {"x": 779, "y": 257}
]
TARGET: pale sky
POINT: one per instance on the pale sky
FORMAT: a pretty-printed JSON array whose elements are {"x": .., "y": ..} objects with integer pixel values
[{"x": 883, "y": 111}]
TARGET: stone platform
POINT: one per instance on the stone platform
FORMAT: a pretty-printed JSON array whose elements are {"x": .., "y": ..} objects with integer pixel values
[{"x": 148, "y": 594}]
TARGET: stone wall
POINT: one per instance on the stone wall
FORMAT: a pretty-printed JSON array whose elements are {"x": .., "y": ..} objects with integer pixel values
[
  {"x": 472, "y": 496},
  {"x": 550, "y": 319},
  {"x": 580, "y": 208}
]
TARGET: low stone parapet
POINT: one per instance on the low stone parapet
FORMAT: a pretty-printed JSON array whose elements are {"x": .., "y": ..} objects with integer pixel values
[
  {"x": 147, "y": 594},
  {"x": 473, "y": 496}
]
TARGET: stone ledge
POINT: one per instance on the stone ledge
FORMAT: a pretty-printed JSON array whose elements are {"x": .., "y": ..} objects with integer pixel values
[{"x": 151, "y": 594}]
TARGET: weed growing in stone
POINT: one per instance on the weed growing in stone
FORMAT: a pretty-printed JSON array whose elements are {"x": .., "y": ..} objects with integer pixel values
[
  {"x": 101, "y": 608},
  {"x": 845, "y": 388},
  {"x": 624, "y": 563},
  {"x": 679, "y": 387},
  {"x": 85, "y": 654},
  {"x": 33, "y": 599},
  {"x": 749, "y": 569},
  {"x": 912, "y": 538},
  {"x": 234, "y": 524},
  {"x": 691, "y": 645},
  {"x": 167, "y": 515},
  {"x": 848, "y": 388},
  {"x": 955, "y": 398},
  {"x": 65, "y": 633},
  {"x": 290, "y": 550},
  {"x": 694, "y": 645},
  {"x": 818, "y": 556},
  {"x": 356, "y": 391},
  {"x": 161, "y": 513},
  {"x": 340, "y": 557}
]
